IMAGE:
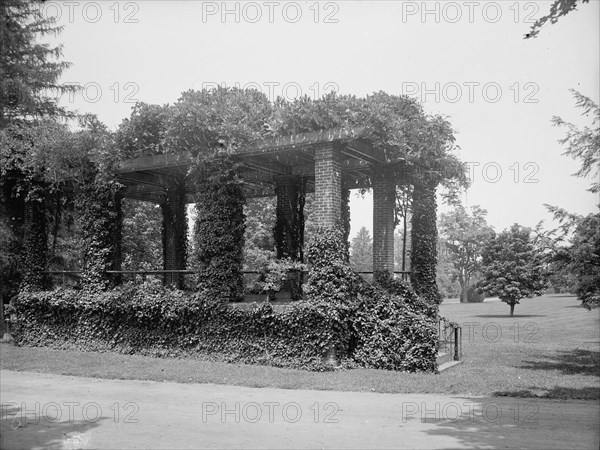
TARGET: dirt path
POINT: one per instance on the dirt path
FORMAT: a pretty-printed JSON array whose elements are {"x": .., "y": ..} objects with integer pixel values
[{"x": 51, "y": 411}]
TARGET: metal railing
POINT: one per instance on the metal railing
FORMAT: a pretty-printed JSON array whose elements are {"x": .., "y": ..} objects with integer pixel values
[{"x": 450, "y": 338}]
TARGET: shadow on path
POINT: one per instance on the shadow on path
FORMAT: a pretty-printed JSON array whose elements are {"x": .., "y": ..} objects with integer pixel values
[{"x": 28, "y": 428}]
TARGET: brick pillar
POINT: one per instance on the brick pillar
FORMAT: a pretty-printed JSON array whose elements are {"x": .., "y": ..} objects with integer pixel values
[
  {"x": 289, "y": 222},
  {"x": 328, "y": 185},
  {"x": 384, "y": 198},
  {"x": 174, "y": 234}
]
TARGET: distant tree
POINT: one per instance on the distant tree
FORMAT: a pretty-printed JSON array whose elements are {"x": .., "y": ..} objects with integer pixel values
[
  {"x": 259, "y": 246},
  {"x": 361, "y": 251},
  {"x": 558, "y": 9},
  {"x": 513, "y": 267},
  {"x": 576, "y": 254},
  {"x": 403, "y": 209},
  {"x": 142, "y": 239},
  {"x": 401, "y": 253},
  {"x": 584, "y": 144},
  {"x": 446, "y": 278},
  {"x": 465, "y": 236}
]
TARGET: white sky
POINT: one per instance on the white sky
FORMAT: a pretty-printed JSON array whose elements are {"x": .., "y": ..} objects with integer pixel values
[{"x": 466, "y": 60}]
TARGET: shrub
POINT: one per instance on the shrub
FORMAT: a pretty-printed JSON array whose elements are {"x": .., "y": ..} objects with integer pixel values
[{"x": 384, "y": 326}]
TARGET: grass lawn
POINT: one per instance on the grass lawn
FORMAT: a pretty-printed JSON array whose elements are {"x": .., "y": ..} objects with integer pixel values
[{"x": 550, "y": 348}]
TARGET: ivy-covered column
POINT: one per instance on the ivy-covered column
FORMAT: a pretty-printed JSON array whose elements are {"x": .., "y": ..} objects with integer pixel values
[
  {"x": 97, "y": 204},
  {"x": 35, "y": 239},
  {"x": 424, "y": 239},
  {"x": 174, "y": 234},
  {"x": 384, "y": 202},
  {"x": 117, "y": 244},
  {"x": 219, "y": 230},
  {"x": 289, "y": 222}
]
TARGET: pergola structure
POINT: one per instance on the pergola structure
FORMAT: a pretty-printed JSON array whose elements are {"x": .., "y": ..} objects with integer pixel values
[{"x": 324, "y": 162}]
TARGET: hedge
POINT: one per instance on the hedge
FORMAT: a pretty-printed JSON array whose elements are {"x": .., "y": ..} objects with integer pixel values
[{"x": 384, "y": 326}]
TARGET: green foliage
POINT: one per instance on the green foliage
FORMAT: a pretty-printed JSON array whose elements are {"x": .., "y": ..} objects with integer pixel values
[
  {"x": 399, "y": 288},
  {"x": 153, "y": 320},
  {"x": 258, "y": 243},
  {"x": 31, "y": 68},
  {"x": 277, "y": 273},
  {"x": 584, "y": 144},
  {"x": 361, "y": 257},
  {"x": 221, "y": 119},
  {"x": 368, "y": 326},
  {"x": 143, "y": 132},
  {"x": 558, "y": 9},
  {"x": 580, "y": 260},
  {"x": 219, "y": 232},
  {"x": 35, "y": 243},
  {"x": 464, "y": 236},
  {"x": 391, "y": 334},
  {"x": 142, "y": 248},
  {"x": 424, "y": 237},
  {"x": 513, "y": 268}
]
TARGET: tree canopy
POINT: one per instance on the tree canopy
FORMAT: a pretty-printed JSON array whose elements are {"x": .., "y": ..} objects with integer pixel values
[
  {"x": 465, "y": 236},
  {"x": 31, "y": 69},
  {"x": 513, "y": 267}
]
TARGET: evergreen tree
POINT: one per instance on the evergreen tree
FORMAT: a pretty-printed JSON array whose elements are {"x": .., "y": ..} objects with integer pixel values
[{"x": 361, "y": 247}]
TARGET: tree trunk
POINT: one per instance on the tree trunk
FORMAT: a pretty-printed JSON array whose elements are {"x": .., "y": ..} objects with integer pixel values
[
  {"x": 512, "y": 309},
  {"x": 404, "y": 243},
  {"x": 464, "y": 289}
]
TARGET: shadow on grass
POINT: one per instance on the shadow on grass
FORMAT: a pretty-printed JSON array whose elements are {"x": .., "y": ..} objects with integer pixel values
[
  {"x": 30, "y": 429},
  {"x": 557, "y": 392},
  {"x": 576, "y": 362},
  {"x": 507, "y": 316}
]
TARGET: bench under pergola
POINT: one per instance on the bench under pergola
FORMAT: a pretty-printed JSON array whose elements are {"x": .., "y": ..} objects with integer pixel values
[{"x": 325, "y": 162}]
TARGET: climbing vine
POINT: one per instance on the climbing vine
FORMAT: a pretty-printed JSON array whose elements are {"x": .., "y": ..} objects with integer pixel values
[
  {"x": 97, "y": 204},
  {"x": 35, "y": 238},
  {"x": 219, "y": 229},
  {"x": 424, "y": 241}
]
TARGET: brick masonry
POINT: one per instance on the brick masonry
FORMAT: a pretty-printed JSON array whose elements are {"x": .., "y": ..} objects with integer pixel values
[
  {"x": 384, "y": 197},
  {"x": 328, "y": 184}
]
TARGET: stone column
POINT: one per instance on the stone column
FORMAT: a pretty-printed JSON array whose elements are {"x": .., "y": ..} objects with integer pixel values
[
  {"x": 174, "y": 234},
  {"x": 384, "y": 198},
  {"x": 328, "y": 185}
]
